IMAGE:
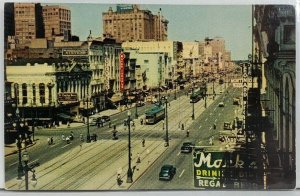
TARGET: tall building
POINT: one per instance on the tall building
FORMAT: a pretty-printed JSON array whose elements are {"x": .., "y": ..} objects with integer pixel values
[
  {"x": 274, "y": 52},
  {"x": 217, "y": 44},
  {"x": 57, "y": 20},
  {"x": 28, "y": 22},
  {"x": 9, "y": 22},
  {"x": 130, "y": 23}
]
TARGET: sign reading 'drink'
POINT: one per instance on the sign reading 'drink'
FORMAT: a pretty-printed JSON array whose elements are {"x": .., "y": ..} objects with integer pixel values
[{"x": 224, "y": 170}]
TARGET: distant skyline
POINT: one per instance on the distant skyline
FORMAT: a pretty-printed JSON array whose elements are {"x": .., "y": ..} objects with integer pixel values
[{"x": 186, "y": 23}]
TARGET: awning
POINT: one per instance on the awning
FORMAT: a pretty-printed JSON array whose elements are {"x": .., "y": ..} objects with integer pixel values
[
  {"x": 116, "y": 98},
  {"x": 64, "y": 116}
]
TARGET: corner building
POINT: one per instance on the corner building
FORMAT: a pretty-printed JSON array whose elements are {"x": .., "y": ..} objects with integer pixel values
[{"x": 274, "y": 51}]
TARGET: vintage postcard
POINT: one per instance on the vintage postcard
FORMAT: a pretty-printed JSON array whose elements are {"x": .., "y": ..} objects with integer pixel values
[{"x": 149, "y": 97}]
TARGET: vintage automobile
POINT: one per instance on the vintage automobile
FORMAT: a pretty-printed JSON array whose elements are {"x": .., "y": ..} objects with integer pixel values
[
  {"x": 167, "y": 172},
  {"x": 187, "y": 147}
]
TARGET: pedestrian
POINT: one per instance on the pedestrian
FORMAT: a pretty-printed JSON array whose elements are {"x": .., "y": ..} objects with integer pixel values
[
  {"x": 138, "y": 158},
  {"x": 81, "y": 137},
  {"x": 119, "y": 180},
  {"x": 68, "y": 123},
  {"x": 63, "y": 137},
  {"x": 215, "y": 126},
  {"x": 187, "y": 133},
  {"x": 115, "y": 127},
  {"x": 182, "y": 126},
  {"x": 51, "y": 140},
  {"x": 143, "y": 142},
  {"x": 95, "y": 137},
  {"x": 48, "y": 140},
  {"x": 211, "y": 141},
  {"x": 141, "y": 121},
  {"x": 68, "y": 140}
]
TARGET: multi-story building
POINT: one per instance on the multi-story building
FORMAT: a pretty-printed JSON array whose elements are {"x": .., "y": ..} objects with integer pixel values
[
  {"x": 49, "y": 87},
  {"x": 28, "y": 22},
  {"x": 191, "y": 58},
  {"x": 274, "y": 53},
  {"x": 9, "y": 22},
  {"x": 57, "y": 20},
  {"x": 150, "y": 69},
  {"x": 130, "y": 23},
  {"x": 175, "y": 63}
]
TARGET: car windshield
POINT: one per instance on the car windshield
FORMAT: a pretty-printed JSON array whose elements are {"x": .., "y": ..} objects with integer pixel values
[{"x": 187, "y": 144}]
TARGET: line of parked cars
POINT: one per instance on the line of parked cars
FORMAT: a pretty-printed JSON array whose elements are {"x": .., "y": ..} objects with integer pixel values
[{"x": 98, "y": 120}]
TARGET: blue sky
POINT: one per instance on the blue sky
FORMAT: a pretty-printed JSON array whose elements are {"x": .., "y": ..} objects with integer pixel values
[{"x": 186, "y": 23}]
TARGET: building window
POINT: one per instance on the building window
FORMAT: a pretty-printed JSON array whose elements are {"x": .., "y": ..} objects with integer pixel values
[
  {"x": 42, "y": 93},
  {"x": 24, "y": 94},
  {"x": 33, "y": 94},
  {"x": 289, "y": 34},
  {"x": 16, "y": 86}
]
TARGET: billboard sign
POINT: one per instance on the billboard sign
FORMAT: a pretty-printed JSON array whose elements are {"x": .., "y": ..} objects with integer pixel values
[
  {"x": 74, "y": 52},
  {"x": 65, "y": 98},
  {"x": 223, "y": 170}
]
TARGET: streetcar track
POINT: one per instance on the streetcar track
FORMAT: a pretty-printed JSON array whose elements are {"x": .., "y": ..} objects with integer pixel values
[{"x": 138, "y": 134}]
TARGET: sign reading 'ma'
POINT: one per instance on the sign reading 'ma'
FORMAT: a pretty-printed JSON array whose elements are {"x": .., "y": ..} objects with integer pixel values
[{"x": 213, "y": 170}]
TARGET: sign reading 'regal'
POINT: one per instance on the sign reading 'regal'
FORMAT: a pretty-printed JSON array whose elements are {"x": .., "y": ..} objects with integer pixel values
[
  {"x": 122, "y": 65},
  {"x": 225, "y": 170}
]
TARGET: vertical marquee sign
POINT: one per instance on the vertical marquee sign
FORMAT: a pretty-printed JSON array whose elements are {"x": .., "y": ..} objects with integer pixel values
[
  {"x": 106, "y": 70},
  {"x": 122, "y": 65},
  {"x": 245, "y": 93}
]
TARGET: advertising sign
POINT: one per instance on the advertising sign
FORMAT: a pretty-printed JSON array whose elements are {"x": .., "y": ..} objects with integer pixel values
[
  {"x": 223, "y": 170},
  {"x": 245, "y": 93},
  {"x": 122, "y": 65},
  {"x": 74, "y": 52},
  {"x": 65, "y": 98}
]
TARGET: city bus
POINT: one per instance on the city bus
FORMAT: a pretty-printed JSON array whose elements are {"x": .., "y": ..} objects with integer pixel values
[{"x": 155, "y": 114}]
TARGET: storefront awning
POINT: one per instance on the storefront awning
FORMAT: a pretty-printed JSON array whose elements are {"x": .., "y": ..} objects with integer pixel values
[
  {"x": 116, "y": 98},
  {"x": 64, "y": 116}
]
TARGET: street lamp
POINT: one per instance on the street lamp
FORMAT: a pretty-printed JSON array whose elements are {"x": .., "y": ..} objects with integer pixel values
[
  {"x": 129, "y": 172},
  {"x": 136, "y": 102},
  {"x": 88, "y": 137},
  {"x": 175, "y": 92},
  {"x": 26, "y": 169},
  {"x": 193, "y": 114},
  {"x": 205, "y": 96},
  {"x": 166, "y": 117}
]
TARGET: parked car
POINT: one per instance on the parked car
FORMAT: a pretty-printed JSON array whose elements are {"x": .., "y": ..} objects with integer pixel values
[
  {"x": 167, "y": 172},
  {"x": 105, "y": 118},
  {"x": 140, "y": 104},
  {"x": 187, "y": 147},
  {"x": 221, "y": 104}
]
